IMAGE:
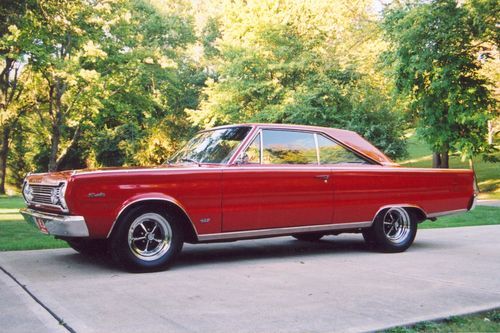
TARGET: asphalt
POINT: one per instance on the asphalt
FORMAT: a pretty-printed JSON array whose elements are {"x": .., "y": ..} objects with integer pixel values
[{"x": 271, "y": 285}]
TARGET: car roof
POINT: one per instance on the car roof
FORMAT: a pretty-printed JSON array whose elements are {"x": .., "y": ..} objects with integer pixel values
[{"x": 348, "y": 138}]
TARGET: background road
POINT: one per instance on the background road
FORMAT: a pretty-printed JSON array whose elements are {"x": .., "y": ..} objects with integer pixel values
[{"x": 271, "y": 285}]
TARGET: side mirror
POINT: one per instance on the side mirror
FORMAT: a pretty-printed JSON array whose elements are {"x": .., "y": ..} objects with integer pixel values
[{"x": 242, "y": 159}]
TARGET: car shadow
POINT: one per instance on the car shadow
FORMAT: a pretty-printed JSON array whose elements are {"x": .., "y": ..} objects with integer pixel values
[
  {"x": 227, "y": 252},
  {"x": 222, "y": 253},
  {"x": 251, "y": 250}
]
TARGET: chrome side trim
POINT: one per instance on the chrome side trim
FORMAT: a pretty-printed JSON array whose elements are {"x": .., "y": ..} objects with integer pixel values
[
  {"x": 282, "y": 231},
  {"x": 448, "y": 212},
  {"x": 150, "y": 199},
  {"x": 57, "y": 225}
]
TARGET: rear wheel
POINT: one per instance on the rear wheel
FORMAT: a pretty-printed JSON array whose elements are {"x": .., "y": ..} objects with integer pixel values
[
  {"x": 393, "y": 230},
  {"x": 147, "y": 239},
  {"x": 308, "y": 237}
]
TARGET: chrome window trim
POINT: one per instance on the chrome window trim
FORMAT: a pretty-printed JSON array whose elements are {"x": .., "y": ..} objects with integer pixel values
[
  {"x": 349, "y": 149},
  {"x": 317, "y": 148},
  {"x": 237, "y": 149},
  {"x": 261, "y": 143},
  {"x": 282, "y": 231}
]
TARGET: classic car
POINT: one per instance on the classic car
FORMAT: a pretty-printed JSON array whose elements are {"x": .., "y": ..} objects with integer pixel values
[{"x": 242, "y": 182}]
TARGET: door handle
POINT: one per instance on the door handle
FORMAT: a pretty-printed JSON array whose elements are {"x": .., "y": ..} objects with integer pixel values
[{"x": 323, "y": 177}]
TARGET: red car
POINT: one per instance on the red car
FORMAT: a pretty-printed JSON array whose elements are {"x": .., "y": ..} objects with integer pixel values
[{"x": 241, "y": 182}]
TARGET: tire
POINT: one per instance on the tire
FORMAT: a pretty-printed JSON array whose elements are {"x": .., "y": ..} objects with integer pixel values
[
  {"x": 146, "y": 239},
  {"x": 90, "y": 247},
  {"x": 369, "y": 236},
  {"x": 308, "y": 237},
  {"x": 393, "y": 230}
]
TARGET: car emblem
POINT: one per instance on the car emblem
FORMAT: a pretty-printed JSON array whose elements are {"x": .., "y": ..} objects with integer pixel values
[{"x": 96, "y": 195}]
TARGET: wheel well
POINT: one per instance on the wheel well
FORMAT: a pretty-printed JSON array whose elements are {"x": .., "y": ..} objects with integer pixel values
[
  {"x": 418, "y": 213},
  {"x": 415, "y": 211},
  {"x": 189, "y": 231}
]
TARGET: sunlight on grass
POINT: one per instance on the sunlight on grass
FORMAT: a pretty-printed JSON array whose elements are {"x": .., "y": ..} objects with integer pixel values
[{"x": 488, "y": 173}]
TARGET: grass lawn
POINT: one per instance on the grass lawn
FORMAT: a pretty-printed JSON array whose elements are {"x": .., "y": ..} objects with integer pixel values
[
  {"x": 16, "y": 234},
  {"x": 481, "y": 215},
  {"x": 481, "y": 322},
  {"x": 488, "y": 174}
]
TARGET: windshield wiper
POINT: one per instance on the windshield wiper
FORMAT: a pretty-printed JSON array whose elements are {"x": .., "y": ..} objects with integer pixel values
[{"x": 190, "y": 160}]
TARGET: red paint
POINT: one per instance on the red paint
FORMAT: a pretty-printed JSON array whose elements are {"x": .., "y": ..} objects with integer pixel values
[{"x": 249, "y": 197}]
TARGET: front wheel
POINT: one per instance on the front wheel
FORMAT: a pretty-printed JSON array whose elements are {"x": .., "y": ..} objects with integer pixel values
[
  {"x": 147, "y": 239},
  {"x": 393, "y": 230}
]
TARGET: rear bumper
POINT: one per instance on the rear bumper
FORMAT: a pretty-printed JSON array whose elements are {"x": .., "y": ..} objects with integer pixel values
[
  {"x": 472, "y": 202},
  {"x": 57, "y": 225}
]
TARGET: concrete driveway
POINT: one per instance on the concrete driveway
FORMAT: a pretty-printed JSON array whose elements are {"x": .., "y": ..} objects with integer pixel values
[{"x": 272, "y": 285}]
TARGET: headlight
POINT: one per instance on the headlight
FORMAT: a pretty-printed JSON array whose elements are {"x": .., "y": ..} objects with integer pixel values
[
  {"x": 27, "y": 192},
  {"x": 54, "y": 196}
]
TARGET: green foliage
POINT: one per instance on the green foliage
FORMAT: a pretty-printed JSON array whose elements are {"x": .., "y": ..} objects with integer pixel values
[
  {"x": 126, "y": 82},
  {"x": 433, "y": 55},
  {"x": 279, "y": 63}
]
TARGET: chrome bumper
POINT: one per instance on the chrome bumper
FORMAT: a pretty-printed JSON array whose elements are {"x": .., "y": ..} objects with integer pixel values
[{"x": 57, "y": 225}]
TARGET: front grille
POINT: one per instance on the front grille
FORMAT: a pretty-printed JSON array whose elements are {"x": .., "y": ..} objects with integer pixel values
[{"x": 47, "y": 195}]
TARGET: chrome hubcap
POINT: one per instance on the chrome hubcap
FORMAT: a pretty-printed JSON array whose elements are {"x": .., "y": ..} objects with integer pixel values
[
  {"x": 149, "y": 236},
  {"x": 396, "y": 225}
]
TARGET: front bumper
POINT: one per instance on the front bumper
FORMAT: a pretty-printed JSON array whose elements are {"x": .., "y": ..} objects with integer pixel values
[{"x": 57, "y": 225}]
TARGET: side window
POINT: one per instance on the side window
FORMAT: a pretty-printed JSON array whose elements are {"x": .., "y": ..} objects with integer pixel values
[
  {"x": 288, "y": 147},
  {"x": 252, "y": 154},
  {"x": 332, "y": 153}
]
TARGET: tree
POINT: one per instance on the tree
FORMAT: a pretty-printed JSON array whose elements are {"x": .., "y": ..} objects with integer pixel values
[
  {"x": 283, "y": 62},
  {"x": 15, "y": 100},
  {"x": 143, "y": 119},
  {"x": 433, "y": 57}
]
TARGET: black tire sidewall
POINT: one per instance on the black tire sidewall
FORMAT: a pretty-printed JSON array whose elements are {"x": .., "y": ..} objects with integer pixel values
[
  {"x": 122, "y": 254},
  {"x": 384, "y": 244}
]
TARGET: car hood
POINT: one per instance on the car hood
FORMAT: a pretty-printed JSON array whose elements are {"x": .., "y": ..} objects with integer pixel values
[{"x": 54, "y": 178}]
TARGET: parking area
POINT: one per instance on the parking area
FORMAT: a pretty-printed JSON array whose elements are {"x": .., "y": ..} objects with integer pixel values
[{"x": 267, "y": 285}]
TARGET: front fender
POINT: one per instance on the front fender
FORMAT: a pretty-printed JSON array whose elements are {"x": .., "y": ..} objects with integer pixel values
[{"x": 143, "y": 198}]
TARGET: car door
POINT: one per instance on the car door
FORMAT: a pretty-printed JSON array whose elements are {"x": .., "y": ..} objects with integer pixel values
[
  {"x": 357, "y": 189},
  {"x": 279, "y": 183}
]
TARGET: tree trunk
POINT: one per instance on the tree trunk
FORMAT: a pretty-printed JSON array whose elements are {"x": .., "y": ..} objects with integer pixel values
[
  {"x": 441, "y": 160},
  {"x": 54, "y": 146},
  {"x": 436, "y": 160},
  {"x": 4, "y": 150},
  {"x": 56, "y": 125},
  {"x": 445, "y": 157}
]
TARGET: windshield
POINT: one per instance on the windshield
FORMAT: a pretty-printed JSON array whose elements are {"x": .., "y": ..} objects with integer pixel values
[{"x": 214, "y": 146}]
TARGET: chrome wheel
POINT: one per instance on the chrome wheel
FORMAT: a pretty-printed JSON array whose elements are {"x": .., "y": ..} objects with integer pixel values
[
  {"x": 396, "y": 225},
  {"x": 149, "y": 236}
]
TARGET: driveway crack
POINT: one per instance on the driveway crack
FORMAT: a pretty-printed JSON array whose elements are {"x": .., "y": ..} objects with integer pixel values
[{"x": 36, "y": 299}]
